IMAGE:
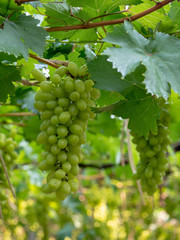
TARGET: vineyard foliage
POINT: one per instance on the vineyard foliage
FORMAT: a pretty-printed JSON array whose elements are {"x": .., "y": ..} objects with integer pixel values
[{"x": 132, "y": 52}]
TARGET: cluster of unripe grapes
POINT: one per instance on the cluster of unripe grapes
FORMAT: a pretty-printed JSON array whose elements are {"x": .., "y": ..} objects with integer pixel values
[
  {"x": 64, "y": 103},
  {"x": 152, "y": 151},
  {"x": 7, "y": 151}
]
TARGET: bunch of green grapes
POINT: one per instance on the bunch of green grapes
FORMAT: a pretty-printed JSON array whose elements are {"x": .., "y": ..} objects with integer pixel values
[
  {"x": 65, "y": 105},
  {"x": 152, "y": 151},
  {"x": 7, "y": 151}
]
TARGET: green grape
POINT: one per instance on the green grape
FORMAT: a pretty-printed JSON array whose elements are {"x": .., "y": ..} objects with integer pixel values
[
  {"x": 62, "y": 131},
  {"x": 46, "y": 114},
  {"x": 43, "y": 166},
  {"x": 65, "y": 105},
  {"x": 72, "y": 158},
  {"x": 82, "y": 71},
  {"x": 79, "y": 86},
  {"x": 55, "y": 149},
  {"x": 69, "y": 86},
  {"x": 64, "y": 117},
  {"x": 40, "y": 105},
  {"x": 81, "y": 104},
  {"x": 42, "y": 137},
  {"x": 58, "y": 110},
  {"x": 84, "y": 115},
  {"x": 75, "y": 149},
  {"x": 51, "y": 130},
  {"x": 56, "y": 79},
  {"x": 74, "y": 96},
  {"x": 62, "y": 156},
  {"x": 38, "y": 75},
  {"x": 72, "y": 109},
  {"x": 73, "y": 69},
  {"x": 76, "y": 129},
  {"x": 61, "y": 71},
  {"x": 44, "y": 125},
  {"x": 60, "y": 174},
  {"x": 51, "y": 104},
  {"x": 74, "y": 170},
  {"x": 46, "y": 86},
  {"x": 95, "y": 93},
  {"x": 62, "y": 143},
  {"x": 88, "y": 84},
  {"x": 54, "y": 120},
  {"x": 153, "y": 141},
  {"x": 52, "y": 139},
  {"x": 73, "y": 185},
  {"x": 54, "y": 184},
  {"x": 58, "y": 92},
  {"x": 63, "y": 102},
  {"x": 50, "y": 176},
  {"x": 73, "y": 139},
  {"x": 68, "y": 79},
  {"x": 148, "y": 172},
  {"x": 66, "y": 166},
  {"x": 50, "y": 159}
]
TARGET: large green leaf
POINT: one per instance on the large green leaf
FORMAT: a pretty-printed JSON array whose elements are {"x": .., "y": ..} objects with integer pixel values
[
  {"x": 95, "y": 8},
  {"x": 160, "y": 56},
  {"x": 152, "y": 19},
  {"x": 142, "y": 110},
  {"x": 110, "y": 79},
  {"x": 21, "y": 35},
  {"x": 60, "y": 14},
  {"x": 8, "y": 74},
  {"x": 174, "y": 12}
]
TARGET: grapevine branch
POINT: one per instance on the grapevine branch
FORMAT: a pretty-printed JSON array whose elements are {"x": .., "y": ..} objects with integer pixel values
[
  {"x": 18, "y": 114},
  {"x": 7, "y": 176},
  {"x": 43, "y": 60},
  {"x": 19, "y": 2},
  {"x": 88, "y": 25}
]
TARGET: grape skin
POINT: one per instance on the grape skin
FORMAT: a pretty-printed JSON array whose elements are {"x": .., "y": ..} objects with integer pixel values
[{"x": 64, "y": 103}]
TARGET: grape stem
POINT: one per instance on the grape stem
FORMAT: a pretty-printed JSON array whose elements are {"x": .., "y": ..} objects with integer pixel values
[
  {"x": 131, "y": 159},
  {"x": 7, "y": 176},
  {"x": 13, "y": 123},
  {"x": 48, "y": 62},
  {"x": 17, "y": 114}
]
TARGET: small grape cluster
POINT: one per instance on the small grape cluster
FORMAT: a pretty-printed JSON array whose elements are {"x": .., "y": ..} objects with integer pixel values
[
  {"x": 7, "y": 151},
  {"x": 65, "y": 105},
  {"x": 152, "y": 151}
]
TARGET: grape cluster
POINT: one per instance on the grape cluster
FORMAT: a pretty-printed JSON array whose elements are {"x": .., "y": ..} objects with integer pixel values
[
  {"x": 65, "y": 105},
  {"x": 152, "y": 151},
  {"x": 7, "y": 151}
]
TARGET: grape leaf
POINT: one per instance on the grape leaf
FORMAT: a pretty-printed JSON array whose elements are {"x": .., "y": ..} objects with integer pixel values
[
  {"x": 60, "y": 14},
  {"x": 94, "y": 8},
  {"x": 142, "y": 110},
  {"x": 159, "y": 56},
  {"x": 18, "y": 37},
  {"x": 174, "y": 12},
  {"x": 152, "y": 19},
  {"x": 109, "y": 79},
  {"x": 31, "y": 128},
  {"x": 8, "y": 74}
]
